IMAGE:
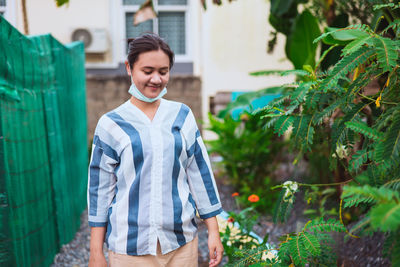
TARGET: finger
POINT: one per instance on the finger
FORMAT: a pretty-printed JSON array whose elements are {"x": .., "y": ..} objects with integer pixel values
[
  {"x": 219, "y": 256},
  {"x": 213, "y": 263},
  {"x": 212, "y": 252}
]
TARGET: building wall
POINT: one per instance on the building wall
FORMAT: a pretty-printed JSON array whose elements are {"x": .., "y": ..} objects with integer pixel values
[
  {"x": 226, "y": 42},
  {"x": 105, "y": 93},
  {"x": 234, "y": 43}
]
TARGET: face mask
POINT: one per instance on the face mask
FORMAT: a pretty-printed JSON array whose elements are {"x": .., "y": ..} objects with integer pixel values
[{"x": 133, "y": 90}]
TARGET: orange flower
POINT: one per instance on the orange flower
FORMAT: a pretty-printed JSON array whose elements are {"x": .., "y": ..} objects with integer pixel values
[
  {"x": 235, "y": 194},
  {"x": 231, "y": 220},
  {"x": 253, "y": 198}
]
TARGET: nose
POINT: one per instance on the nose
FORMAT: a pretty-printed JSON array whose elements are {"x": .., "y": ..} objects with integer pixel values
[{"x": 156, "y": 79}]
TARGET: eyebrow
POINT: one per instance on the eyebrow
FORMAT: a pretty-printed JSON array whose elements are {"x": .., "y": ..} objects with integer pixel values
[{"x": 148, "y": 67}]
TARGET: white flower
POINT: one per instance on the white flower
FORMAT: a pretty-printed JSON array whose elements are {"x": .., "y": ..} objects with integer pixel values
[
  {"x": 270, "y": 256},
  {"x": 341, "y": 151},
  {"x": 290, "y": 188}
]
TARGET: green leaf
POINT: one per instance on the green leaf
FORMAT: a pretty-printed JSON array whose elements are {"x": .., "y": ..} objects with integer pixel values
[
  {"x": 320, "y": 225},
  {"x": 320, "y": 116},
  {"x": 282, "y": 208},
  {"x": 303, "y": 131},
  {"x": 363, "y": 128},
  {"x": 345, "y": 65},
  {"x": 387, "y": 53},
  {"x": 386, "y": 216},
  {"x": 280, "y": 7},
  {"x": 391, "y": 248},
  {"x": 339, "y": 129},
  {"x": 358, "y": 159},
  {"x": 283, "y": 124},
  {"x": 311, "y": 243},
  {"x": 347, "y": 34},
  {"x": 353, "y": 195},
  {"x": 356, "y": 44},
  {"x": 394, "y": 184},
  {"x": 298, "y": 250},
  {"x": 392, "y": 139},
  {"x": 300, "y": 92},
  {"x": 61, "y": 2},
  {"x": 305, "y": 30},
  {"x": 351, "y": 32},
  {"x": 300, "y": 73}
]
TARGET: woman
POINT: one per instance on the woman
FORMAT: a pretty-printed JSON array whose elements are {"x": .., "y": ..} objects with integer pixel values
[{"x": 149, "y": 173}]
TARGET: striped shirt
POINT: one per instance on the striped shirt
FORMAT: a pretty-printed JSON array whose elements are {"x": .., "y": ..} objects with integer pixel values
[{"x": 148, "y": 178}]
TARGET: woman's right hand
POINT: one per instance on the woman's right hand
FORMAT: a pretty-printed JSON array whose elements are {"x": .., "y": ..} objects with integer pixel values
[{"x": 97, "y": 260}]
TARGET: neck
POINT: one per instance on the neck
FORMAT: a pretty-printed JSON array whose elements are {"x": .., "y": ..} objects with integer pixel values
[{"x": 144, "y": 105}]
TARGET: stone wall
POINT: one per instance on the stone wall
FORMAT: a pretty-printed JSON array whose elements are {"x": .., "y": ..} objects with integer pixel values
[{"x": 104, "y": 93}]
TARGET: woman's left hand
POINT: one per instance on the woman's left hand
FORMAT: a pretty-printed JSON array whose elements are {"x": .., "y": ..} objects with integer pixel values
[{"x": 216, "y": 249}]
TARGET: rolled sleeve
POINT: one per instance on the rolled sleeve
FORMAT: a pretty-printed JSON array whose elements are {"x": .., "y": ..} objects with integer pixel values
[
  {"x": 201, "y": 178},
  {"x": 101, "y": 182}
]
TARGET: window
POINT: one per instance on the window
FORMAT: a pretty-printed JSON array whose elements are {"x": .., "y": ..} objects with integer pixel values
[
  {"x": 2, "y": 7},
  {"x": 170, "y": 24}
]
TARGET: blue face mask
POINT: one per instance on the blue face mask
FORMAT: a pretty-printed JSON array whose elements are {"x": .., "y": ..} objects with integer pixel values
[{"x": 133, "y": 90}]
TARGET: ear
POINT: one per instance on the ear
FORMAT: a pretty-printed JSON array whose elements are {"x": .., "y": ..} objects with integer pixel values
[{"x": 128, "y": 69}]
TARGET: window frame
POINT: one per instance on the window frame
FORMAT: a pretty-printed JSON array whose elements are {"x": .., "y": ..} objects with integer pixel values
[{"x": 187, "y": 57}]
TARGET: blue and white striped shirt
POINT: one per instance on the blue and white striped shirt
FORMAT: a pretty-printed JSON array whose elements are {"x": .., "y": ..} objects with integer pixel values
[{"x": 147, "y": 178}]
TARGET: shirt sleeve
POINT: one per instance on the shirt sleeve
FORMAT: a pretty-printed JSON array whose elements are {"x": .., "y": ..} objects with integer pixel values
[
  {"x": 101, "y": 180},
  {"x": 200, "y": 176}
]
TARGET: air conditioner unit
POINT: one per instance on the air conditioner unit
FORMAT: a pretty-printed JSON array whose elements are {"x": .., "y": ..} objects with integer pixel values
[{"x": 94, "y": 39}]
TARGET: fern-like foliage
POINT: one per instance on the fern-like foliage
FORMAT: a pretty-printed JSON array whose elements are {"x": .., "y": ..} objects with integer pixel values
[
  {"x": 351, "y": 111},
  {"x": 358, "y": 159},
  {"x": 394, "y": 184},
  {"x": 357, "y": 44},
  {"x": 307, "y": 245},
  {"x": 327, "y": 111},
  {"x": 387, "y": 54},
  {"x": 283, "y": 124},
  {"x": 345, "y": 65},
  {"x": 386, "y": 216},
  {"x": 340, "y": 127},
  {"x": 282, "y": 208},
  {"x": 389, "y": 5},
  {"x": 354, "y": 195},
  {"x": 364, "y": 129},
  {"x": 392, "y": 139},
  {"x": 301, "y": 73},
  {"x": 391, "y": 248},
  {"x": 320, "y": 225}
]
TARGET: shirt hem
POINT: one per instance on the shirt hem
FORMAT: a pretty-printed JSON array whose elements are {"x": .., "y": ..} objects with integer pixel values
[
  {"x": 98, "y": 224},
  {"x": 143, "y": 254},
  {"x": 210, "y": 214}
]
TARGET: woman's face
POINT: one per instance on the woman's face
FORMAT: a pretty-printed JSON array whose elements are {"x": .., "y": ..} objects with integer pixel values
[{"x": 150, "y": 72}]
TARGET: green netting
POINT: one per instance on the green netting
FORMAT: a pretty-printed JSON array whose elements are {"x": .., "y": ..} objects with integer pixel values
[{"x": 43, "y": 147}]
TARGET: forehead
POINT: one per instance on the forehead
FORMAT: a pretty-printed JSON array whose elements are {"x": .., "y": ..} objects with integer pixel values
[{"x": 155, "y": 59}]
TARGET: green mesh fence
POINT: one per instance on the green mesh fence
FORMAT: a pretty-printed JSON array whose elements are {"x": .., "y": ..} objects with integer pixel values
[{"x": 43, "y": 147}]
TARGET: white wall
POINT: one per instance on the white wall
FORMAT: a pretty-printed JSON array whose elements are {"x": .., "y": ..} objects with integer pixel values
[
  {"x": 234, "y": 43},
  {"x": 227, "y": 42},
  {"x": 45, "y": 17}
]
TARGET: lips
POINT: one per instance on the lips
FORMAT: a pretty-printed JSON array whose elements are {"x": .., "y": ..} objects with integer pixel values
[{"x": 153, "y": 87}]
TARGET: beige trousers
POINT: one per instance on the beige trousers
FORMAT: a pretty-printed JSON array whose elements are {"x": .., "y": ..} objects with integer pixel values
[{"x": 185, "y": 256}]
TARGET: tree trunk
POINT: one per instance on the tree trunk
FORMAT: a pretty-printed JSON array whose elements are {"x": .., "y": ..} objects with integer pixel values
[{"x": 25, "y": 17}]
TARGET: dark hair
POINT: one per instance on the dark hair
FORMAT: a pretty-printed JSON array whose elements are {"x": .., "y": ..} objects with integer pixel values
[{"x": 145, "y": 43}]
